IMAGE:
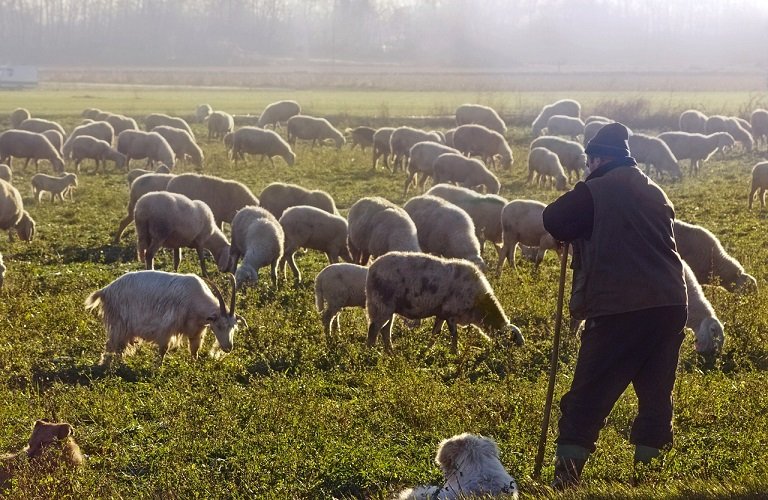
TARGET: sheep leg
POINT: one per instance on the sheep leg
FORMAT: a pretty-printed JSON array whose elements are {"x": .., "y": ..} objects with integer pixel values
[
  {"x": 752, "y": 196},
  {"x": 195, "y": 343},
  {"x": 454, "y": 336},
  {"x": 436, "y": 328},
  {"x": 273, "y": 273},
  {"x": 408, "y": 182},
  {"x": 292, "y": 264},
  {"x": 176, "y": 259},
  {"x": 375, "y": 158},
  {"x": 386, "y": 335},
  {"x": 328, "y": 316},
  {"x": 201, "y": 257},
  {"x": 121, "y": 227},
  {"x": 149, "y": 253},
  {"x": 762, "y": 198}
]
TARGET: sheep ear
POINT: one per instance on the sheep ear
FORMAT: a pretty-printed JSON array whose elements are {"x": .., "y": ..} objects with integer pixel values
[
  {"x": 64, "y": 431},
  {"x": 240, "y": 319},
  {"x": 41, "y": 422}
]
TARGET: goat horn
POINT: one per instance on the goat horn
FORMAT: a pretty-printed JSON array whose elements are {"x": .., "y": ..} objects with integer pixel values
[
  {"x": 218, "y": 295},
  {"x": 234, "y": 293}
]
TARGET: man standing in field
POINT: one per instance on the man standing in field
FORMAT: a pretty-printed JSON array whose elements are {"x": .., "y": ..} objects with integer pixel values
[{"x": 628, "y": 286}]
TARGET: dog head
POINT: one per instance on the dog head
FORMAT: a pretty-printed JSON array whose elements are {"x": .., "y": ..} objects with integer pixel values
[
  {"x": 465, "y": 449},
  {"x": 46, "y": 433}
]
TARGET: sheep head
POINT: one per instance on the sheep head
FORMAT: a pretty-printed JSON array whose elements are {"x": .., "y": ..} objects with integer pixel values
[
  {"x": 709, "y": 337},
  {"x": 223, "y": 323},
  {"x": 26, "y": 227},
  {"x": 46, "y": 433}
]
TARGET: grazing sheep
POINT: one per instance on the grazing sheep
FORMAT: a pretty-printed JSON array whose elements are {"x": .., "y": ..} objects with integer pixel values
[
  {"x": 220, "y": 124},
  {"x": 182, "y": 143},
  {"x": 417, "y": 286},
  {"x": 565, "y": 125},
  {"x": 172, "y": 220},
  {"x": 522, "y": 222},
  {"x": 693, "y": 121},
  {"x": 591, "y": 129},
  {"x": 467, "y": 172},
  {"x": 483, "y": 142},
  {"x": 257, "y": 141},
  {"x": 6, "y": 173},
  {"x": 155, "y": 120},
  {"x": 120, "y": 123},
  {"x": 55, "y": 138},
  {"x": 277, "y": 112},
  {"x": 91, "y": 113},
  {"x": 444, "y": 229},
  {"x": 597, "y": 118},
  {"x": 422, "y": 158},
  {"x": 708, "y": 259},
  {"x": 570, "y": 153},
  {"x": 378, "y": 226},
  {"x": 224, "y": 197},
  {"x": 565, "y": 107},
  {"x": 59, "y": 187},
  {"x": 449, "y": 137},
  {"x": 759, "y": 182},
  {"x": 85, "y": 146},
  {"x": 361, "y": 136},
  {"x": 338, "y": 286},
  {"x": 50, "y": 444},
  {"x": 759, "y": 122},
  {"x": 142, "y": 185},
  {"x": 313, "y": 129},
  {"x": 202, "y": 112},
  {"x": 98, "y": 130},
  {"x": 655, "y": 153},
  {"x": 480, "y": 115},
  {"x": 258, "y": 237},
  {"x": 696, "y": 147},
  {"x": 381, "y": 146},
  {"x": 30, "y": 146},
  {"x": 135, "y": 173},
  {"x": 310, "y": 227},
  {"x": 702, "y": 319},
  {"x": 135, "y": 144},
  {"x": 719, "y": 123},
  {"x": 546, "y": 165},
  {"x": 18, "y": 116},
  {"x": 403, "y": 139},
  {"x": 279, "y": 196},
  {"x": 40, "y": 125},
  {"x": 162, "y": 308},
  {"x": 12, "y": 213}
]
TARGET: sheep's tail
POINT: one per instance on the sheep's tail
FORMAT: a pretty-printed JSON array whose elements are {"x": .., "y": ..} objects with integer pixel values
[
  {"x": 94, "y": 300},
  {"x": 318, "y": 298}
]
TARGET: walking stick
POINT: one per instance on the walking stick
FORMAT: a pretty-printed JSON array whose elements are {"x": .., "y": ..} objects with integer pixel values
[{"x": 552, "y": 364}]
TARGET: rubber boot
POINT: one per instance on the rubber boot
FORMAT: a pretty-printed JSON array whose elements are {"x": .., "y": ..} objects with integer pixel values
[
  {"x": 569, "y": 463},
  {"x": 647, "y": 464}
]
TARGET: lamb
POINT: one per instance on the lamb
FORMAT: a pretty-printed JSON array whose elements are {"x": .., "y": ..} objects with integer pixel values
[
  {"x": 162, "y": 308},
  {"x": 142, "y": 185},
  {"x": 29, "y": 145},
  {"x": 565, "y": 107},
  {"x": 155, "y": 120},
  {"x": 522, "y": 222},
  {"x": 759, "y": 182},
  {"x": 135, "y": 144},
  {"x": 59, "y": 187},
  {"x": 182, "y": 143},
  {"x": 224, "y": 197},
  {"x": 6, "y": 173},
  {"x": 481, "y": 141},
  {"x": 695, "y": 147},
  {"x": 565, "y": 125},
  {"x": 378, "y": 226},
  {"x": 422, "y": 158},
  {"x": 262, "y": 142},
  {"x": 338, "y": 286},
  {"x": 702, "y": 319},
  {"x": 416, "y": 286},
  {"x": 546, "y": 165},
  {"x": 55, "y": 137},
  {"x": 18, "y": 115},
  {"x": 278, "y": 196},
  {"x": 310, "y": 227},
  {"x": 654, "y": 153},
  {"x": 202, "y": 112},
  {"x": 277, "y": 112},
  {"x": 120, "y": 123},
  {"x": 313, "y": 129},
  {"x": 85, "y": 146},
  {"x": 258, "y": 237},
  {"x": 40, "y": 125},
  {"x": 12, "y": 213},
  {"x": 361, "y": 136},
  {"x": 570, "y": 153},
  {"x": 759, "y": 122},
  {"x": 480, "y": 115},
  {"x": 467, "y": 172},
  {"x": 135, "y": 173},
  {"x": 444, "y": 229},
  {"x": 172, "y": 220},
  {"x": 708, "y": 259},
  {"x": 381, "y": 146},
  {"x": 98, "y": 130},
  {"x": 403, "y": 139},
  {"x": 220, "y": 124},
  {"x": 693, "y": 121}
]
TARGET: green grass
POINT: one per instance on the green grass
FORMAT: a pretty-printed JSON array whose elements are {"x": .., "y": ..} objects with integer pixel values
[{"x": 287, "y": 414}]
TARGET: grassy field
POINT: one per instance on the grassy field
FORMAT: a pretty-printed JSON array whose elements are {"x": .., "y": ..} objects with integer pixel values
[{"x": 288, "y": 415}]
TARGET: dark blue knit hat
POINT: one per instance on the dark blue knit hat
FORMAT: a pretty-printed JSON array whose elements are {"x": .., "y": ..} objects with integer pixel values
[{"x": 611, "y": 140}]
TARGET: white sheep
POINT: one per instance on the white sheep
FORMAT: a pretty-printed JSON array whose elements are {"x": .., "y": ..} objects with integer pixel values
[
  {"x": 203, "y": 111},
  {"x": 155, "y": 120},
  {"x": 258, "y": 237},
  {"x": 444, "y": 229},
  {"x": 522, "y": 222},
  {"x": 313, "y": 129},
  {"x": 56, "y": 139},
  {"x": 86, "y": 147},
  {"x": 759, "y": 121},
  {"x": 277, "y": 112},
  {"x": 98, "y": 130},
  {"x": 695, "y": 147},
  {"x": 338, "y": 286},
  {"x": 360, "y": 136},
  {"x": 182, "y": 143},
  {"x": 135, "y": 173},
  {"x": 142, "y": 185},
  {"x": 381, "y": 146},
  {"x": 417, "y": 286},
  {"x": 403, "y": 139},
  {"x": 481, "y": 115},
  {"x": 172, "y": 220},
  {"x": 12, "y": 213},
  {"x": 310, "y": 227},
  {"x": 596, "y": 118},
  {"x": 545, "y": 165},
  {"x": 759, "y": 182},
  {"x": 422, "y": 159},
  {"x": 224, "y": 197},
  {"x": 119, "y": 123},
  {"x": 30, "y": 146},
  {"x": 257, "y": 141},
  {"x": 654, "y": 153},
  {"x": 708, "y": 259},
  {"x": 377, "y": 226},
  {"x": 591, "y": 129},
  {"x": 702, "y": 319},
  {"x": 719, "y": 123},
  {"x": 40, "y": 125},
  {"x": 565, "y": 125},
  {"x": 6, "y": 173},
  {"x": 162, "y": 308},
  {"x": 17, "y": 116},
  {"x": 467, "y": 172},
  {"x": 570, "y": 153},
  {"x": 278, "y": 196},
  {"x": 567, "y": 107},
  {"x": 135, "y": 144},
  {"x": 693, "y": 121},
  {"x": 449, "y": 136},
  {"x": 483, "y": 142},
  {"x": 59, "y": 187},
  {"x": 220, "y": 123}
]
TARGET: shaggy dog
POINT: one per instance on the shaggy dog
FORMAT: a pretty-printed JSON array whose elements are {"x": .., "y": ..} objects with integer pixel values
[{"x": 470, "y": 466}]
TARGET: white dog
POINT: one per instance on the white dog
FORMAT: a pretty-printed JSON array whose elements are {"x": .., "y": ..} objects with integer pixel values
[{"x": 470, "y": 466}]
